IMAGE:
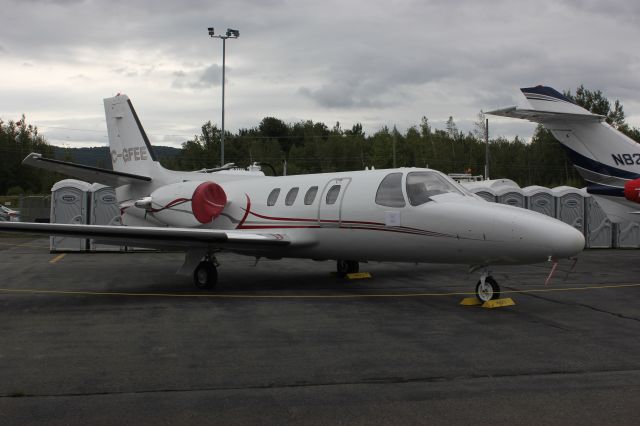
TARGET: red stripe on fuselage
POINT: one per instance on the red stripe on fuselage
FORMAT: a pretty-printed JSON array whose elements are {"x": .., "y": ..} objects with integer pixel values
[
  {"x": 297, "y": 219},
  {"x": 401, "y": 229},
  {"x": 246, "y": 212},
  {"x": 173, "y": 203}
]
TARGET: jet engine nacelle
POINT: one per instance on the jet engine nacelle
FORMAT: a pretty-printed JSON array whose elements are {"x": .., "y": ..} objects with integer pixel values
[
  {"x": 185, "y": 204},
  {"x": 632, "y": 190}
]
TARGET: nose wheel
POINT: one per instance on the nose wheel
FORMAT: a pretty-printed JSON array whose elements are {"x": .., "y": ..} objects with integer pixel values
[
  {"x": 345, "y": 267},
  {"x": 487, "y": 289},
  {"x": 205, "y": 275}
]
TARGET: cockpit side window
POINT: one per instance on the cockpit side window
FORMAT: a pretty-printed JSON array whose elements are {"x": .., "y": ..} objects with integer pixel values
[
  {"x": 421, "y": 186},
  {"x": 389, "y": 192}
]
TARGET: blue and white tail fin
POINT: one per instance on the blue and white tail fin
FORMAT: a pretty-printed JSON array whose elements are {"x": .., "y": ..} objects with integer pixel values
[
  {"x": 603, "y": 156},
  {"x": 129, "y": 145}
]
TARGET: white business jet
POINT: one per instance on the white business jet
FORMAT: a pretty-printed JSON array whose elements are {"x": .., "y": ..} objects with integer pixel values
[
  {"x": 404, "y": 215},
  {"x": 606, "y": 158}
]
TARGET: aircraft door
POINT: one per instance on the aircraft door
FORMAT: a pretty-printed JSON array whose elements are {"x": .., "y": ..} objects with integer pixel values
[{"x": 330, "y": 205}]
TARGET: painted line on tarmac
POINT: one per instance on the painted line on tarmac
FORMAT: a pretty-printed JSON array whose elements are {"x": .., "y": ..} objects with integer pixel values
[
  {"x": 299, "y": 296},
  {"x": 57, "y": 258},
  {"x": 27, "y": 245}
]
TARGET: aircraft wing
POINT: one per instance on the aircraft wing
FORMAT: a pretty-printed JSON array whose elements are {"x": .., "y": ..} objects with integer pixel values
[
  {"x": 86, "y": 173},
  {"x": 155, "y": 237},
  {"x": 538, "y": 116}
]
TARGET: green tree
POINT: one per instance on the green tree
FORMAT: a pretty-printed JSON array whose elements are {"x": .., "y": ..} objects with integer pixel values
[{"x": 597, "y": 103}]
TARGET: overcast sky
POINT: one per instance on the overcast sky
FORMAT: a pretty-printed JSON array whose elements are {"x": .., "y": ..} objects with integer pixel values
[{"x": 373, "y": 62}]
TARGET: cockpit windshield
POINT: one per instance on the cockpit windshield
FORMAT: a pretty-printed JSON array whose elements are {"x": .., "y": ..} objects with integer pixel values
[{"x": 421, "y": 186}]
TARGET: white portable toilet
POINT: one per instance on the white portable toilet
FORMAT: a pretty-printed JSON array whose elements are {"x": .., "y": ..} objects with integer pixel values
[
  {"x": 570, "y": 206},
  {"x": 69, "y": 205},
  {"x": 599, "y": 227},
  {"x": 540, "y": 199},
  {"x": 499, "y": 183},
  {"x": 481, "y": 190},
  {"x": 626, "y": 234},
  {"x": 103, "y": 210},
  {"x": 511, "y": 195}
]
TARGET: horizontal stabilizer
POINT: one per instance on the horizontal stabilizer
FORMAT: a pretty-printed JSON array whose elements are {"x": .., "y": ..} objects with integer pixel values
[
  {"x": 548, "y": 106},
  {"x": 86, "y": 173},
  {"x": 143, "y": 236},
  {"x": 538, "y": 116}
]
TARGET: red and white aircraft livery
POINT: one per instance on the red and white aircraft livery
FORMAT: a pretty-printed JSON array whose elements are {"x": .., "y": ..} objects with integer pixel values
[{"x": 406, "y": 214}]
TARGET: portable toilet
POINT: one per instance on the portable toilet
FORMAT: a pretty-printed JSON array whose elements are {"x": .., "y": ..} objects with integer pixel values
[
  {"x": 69, "y": 206},
  {"x": 481, "y": 190},
  {"x": 103, "y": 210},
  {"x": 599, "y": 227},
  {"x": 540, "y": 199},
  {"x": 570, "y": 206},
  {"x": 499, "y": 183},
  {"x": 511, "y": 195},
  {"x": 626, "y": 234}
]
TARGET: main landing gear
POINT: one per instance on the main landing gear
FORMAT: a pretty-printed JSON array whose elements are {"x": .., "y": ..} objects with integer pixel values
[
  {"x": 205, "y": 275},
  {"x": 487, "y": 288},
  {"x": 345, "y": 267}
]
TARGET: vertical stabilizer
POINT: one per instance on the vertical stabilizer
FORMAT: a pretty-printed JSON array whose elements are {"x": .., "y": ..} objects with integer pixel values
[
  {"x": 129, "y": 145},
  {"x": 606, "y": 158}
]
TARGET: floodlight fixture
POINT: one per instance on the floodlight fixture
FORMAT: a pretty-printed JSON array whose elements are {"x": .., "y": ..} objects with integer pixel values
[
  {"x": 233, "y": 33},
  {"x": 210, "y": 31}
]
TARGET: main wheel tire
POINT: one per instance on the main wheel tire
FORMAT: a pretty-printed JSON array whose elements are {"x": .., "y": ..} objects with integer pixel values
[
  {"x": 205, "y": 276},
  {"x": 489, "y": 291},
  {"x": 345, "y": 267}
]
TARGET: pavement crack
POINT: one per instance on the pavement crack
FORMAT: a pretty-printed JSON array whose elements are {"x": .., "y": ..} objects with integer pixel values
[
  {"x": 392, "y": 380},
  {"x": 583, "y": 305}
]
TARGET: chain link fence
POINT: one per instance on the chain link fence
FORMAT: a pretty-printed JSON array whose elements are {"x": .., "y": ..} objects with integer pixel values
[{"x": 32, "y": 208}]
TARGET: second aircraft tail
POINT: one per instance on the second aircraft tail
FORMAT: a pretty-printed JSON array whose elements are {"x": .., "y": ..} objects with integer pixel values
[{"x": 604, "y": 157}]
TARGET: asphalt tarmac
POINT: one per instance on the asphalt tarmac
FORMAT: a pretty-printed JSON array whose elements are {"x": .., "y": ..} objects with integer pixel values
[{"x": 111, "y": 338}]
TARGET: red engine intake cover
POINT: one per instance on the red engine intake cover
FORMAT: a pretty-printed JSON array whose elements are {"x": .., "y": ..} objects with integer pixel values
[
  {"x": 208, "y": 201},
  {"x": 632, "y": 190}
]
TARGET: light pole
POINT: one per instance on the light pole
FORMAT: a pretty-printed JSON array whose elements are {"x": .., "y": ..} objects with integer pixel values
[{"x": 230, "y": 34}]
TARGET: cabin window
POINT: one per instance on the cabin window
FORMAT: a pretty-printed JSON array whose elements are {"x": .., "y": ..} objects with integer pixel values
[
  {"x": 291, "y": 196},
  {"x": 310, "y": 196},
  {"x": 332, "y": 194},
  {"x": 273, "y": 197},
  {"x": 421, "y": 186},
  {"x": 390, "y": 191}
]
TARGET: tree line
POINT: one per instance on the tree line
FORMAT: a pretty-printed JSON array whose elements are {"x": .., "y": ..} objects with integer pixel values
[
  {"x": 17, "y": 140},
  {"x": 313, "y": 147}
]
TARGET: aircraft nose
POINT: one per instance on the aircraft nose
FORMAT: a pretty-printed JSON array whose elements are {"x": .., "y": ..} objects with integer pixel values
[
  {"x": 564, "y": 240},
  {"x": 538, "y": 236}
]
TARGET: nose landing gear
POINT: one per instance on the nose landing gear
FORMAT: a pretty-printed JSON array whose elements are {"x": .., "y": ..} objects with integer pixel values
[
  {"x": 345, "y": 267},
  {"x": 487, "y": 288}
]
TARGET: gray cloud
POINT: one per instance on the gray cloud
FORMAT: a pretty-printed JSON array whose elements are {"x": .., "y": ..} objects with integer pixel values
[
  {"x": 377, "y": 62},
  {"x": 58, "y": 2},
  {"x": 198, "y": 79}
]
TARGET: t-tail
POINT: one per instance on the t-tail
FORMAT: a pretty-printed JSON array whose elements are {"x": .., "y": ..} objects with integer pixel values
[
  {"x": 605, "y": 157},
  {"x": 134, "y": 162},
  {"x": 129, "y": 146}
]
